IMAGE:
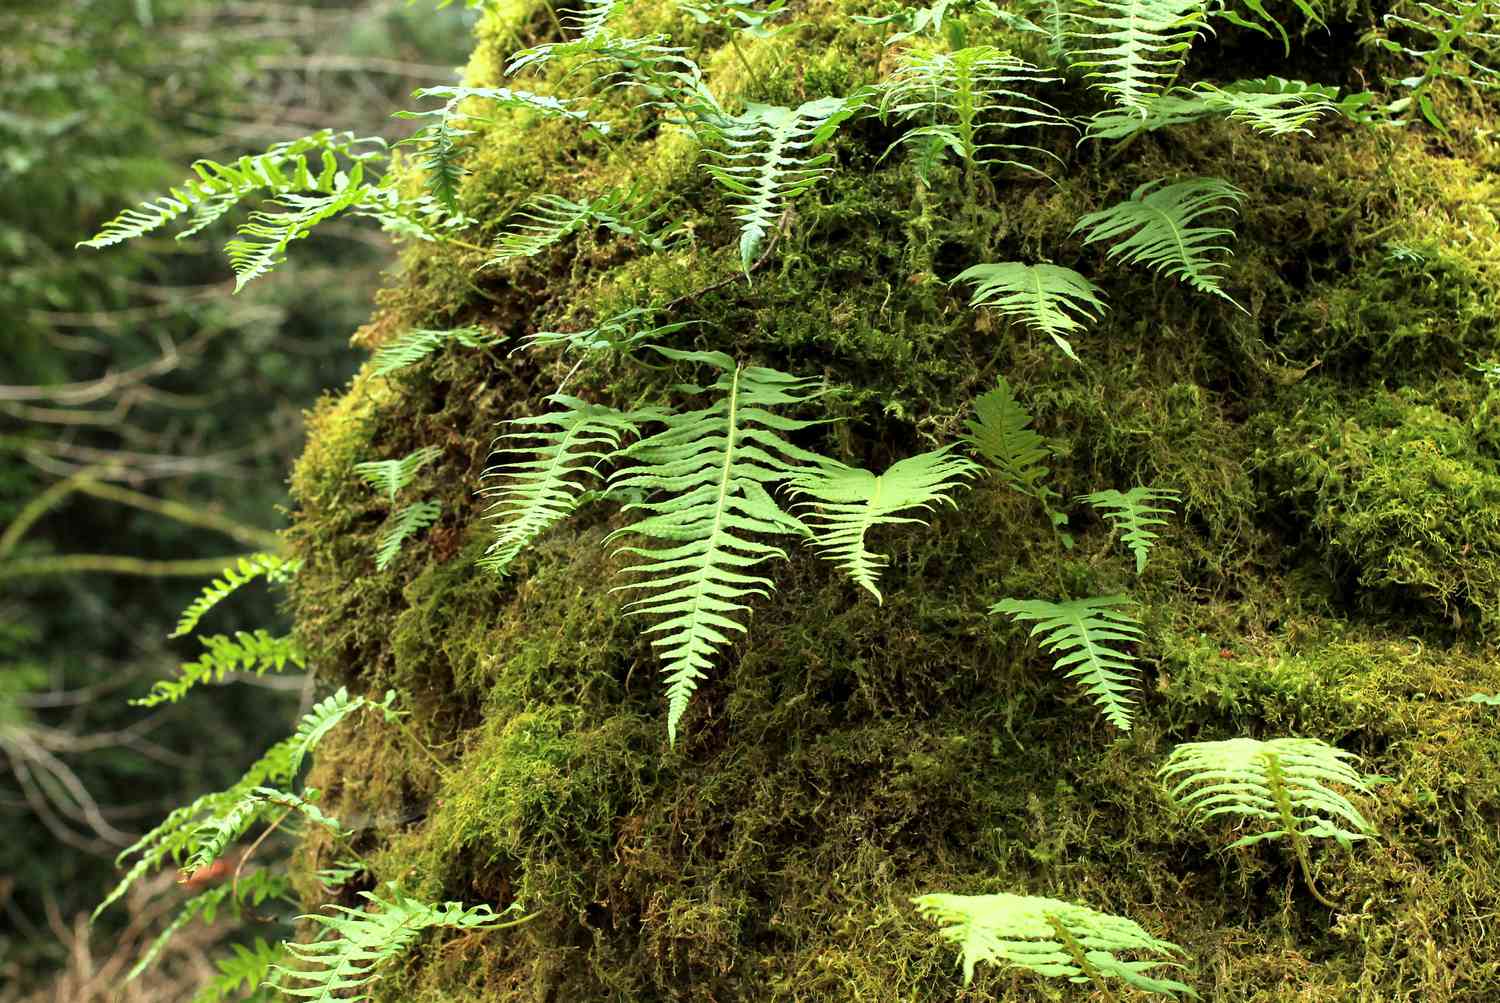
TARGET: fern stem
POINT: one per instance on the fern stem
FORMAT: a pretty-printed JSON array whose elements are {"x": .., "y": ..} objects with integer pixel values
[
  {"x": 1075, "y": 949},
  {"x": 1276, "y": 781},
  {"x": 734, "y": 43},
  {"x": 464, "y": 243},
  {"x": 411, "y": 736}
]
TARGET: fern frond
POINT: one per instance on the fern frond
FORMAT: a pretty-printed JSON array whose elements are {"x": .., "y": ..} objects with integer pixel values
[
  {"x": 1271, "y": 106},
  {"x": 245, "y": 970},
  {"x": 618, "y": 334},
  {"x": 414, "y": 346},
  {"x": 344, "y": 967},
  {"x": 709, "y": 470},
  {"x": 236, "y": 576},
  {"x": 768, "y": 160},
  {"x": 261, "y": 241},
  {"x": 847, "y": 502},
  {"x": 1134, "y": 513},
  {"x": 1001, "y": 433},
  {"x": 591, "y": 22},
  {"x": 253, "y": 889},
  {"x": 1053, "y": 300},
  {"x": 550, "y": 219},
  {"x": 545, "y": 487},
  {"x": 738, "y": 15},
  {"x": 1086, "y": 634},
  {"x": 1158, "y": 228},
  {"x": 962, "y": 99},
  {"x": 257, "y": 652},
  {"x": 1054, "y": 939},
  {"x": 1257, "y": 8},
  {"x": 408, "y": 522},
  {"x": 1453, "y": 27},
  {"x": 390, "y": 476},
  {"x": 1133, "y": 48}
]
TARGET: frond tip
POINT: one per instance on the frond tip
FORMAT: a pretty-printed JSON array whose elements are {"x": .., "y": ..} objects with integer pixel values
[
  {"x": 1086, "y": 633},
  {"x": 1049, "y": 299},
  {"x": 1134, "y": 512},
  {"x": 1053, "y": 938}
]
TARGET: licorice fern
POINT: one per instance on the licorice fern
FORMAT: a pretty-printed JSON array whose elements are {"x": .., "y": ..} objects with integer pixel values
[
  {"x": 1158, "y": 227},
  {"x": 1133, "y": 513},
  {"x": 406, "y": 523},
  {"x": 246, "y": 970},
  {"x": 1271, "y": 106},
  {"x": 705, "y": 476},
  {"x": 1283, "y": 781},
  {"x": 1055, "y": 939},
  {"x": 1000, "y": 433},
  {"x": 244, "y": 571},
  {"x": 390, "y": 476},
  {"x": 257, "y": 652},
  {"x": 550, "y": 219},
  {"x": 1454, "y": 27},
  {"x": 845, "y": 503},
  {"x": 617, "y": 334},
  {"x": 1050, "y": 299},
  {"x": 1133, "y": 49},
  {"x": 1086, "y": 635},
  {"x": 251, "y": 890},
  {"x": 412, "y": 347},
  {"x": 543, "y": 488}
]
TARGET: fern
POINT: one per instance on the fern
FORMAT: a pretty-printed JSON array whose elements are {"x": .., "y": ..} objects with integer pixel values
[
  {"x": 1271, "y": 106},
  {"x": 414, "y": 346},
  {"x": 847, "y": 502},
  {"x": 616, "y": 334},
  {"x": 1157, "y": 227},
  {"x": 261, "y": 242},
  {"x": 1054, "y": 939},
  {"x": 1257, "y": 8},
  {"x": 592, "y": 23},
  {"x": 1453, "y": 26},
  {"x": 1134, "y": 513},
  {"x": 768, "y": 161},
  {"x": 964, "y": 98},
  {"x": 256, "y": 652},
  {"x": 550, "y": 219},
  {"x": 246, "y": 970},
  {"x": 390, "y": 476},
  {"x": 738, "y": 15},
  {"x": 1053, "y": 300},
  {"x": 344, "y": 968},
  {"x": 544, "y": 488},
  {"x": 1283, "y": 783},
  {"x": 1086, "y": 634},
  {"x": 236, "y": 576},
  {"x": 1134, "y": 48},
  {"x": 254, "y": 889},
  {"x": 712, "y": 466},
  {"x": 408, "y": 522},
  {"x": 1000, "y": 433}
]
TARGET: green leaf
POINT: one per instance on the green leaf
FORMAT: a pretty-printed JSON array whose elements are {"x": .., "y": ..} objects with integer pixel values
[
  {"x": 390, "y": 476},
  {"x": 414, "y": 346},
  {"x": 1049, "y": 299},
  {"x": 1133, "y": 48},
  {"x": 236, "y": 576},
  {"x": 408, "y": 522},
  {"x": 1134, "y": 513},
  {"x": 1086, "y": 635}
]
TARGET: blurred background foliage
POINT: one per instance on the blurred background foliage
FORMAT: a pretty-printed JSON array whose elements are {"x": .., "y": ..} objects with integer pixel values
[{"x": 131, "y": 377}]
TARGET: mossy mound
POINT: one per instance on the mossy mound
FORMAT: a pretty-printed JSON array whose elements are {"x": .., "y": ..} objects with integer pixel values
[{"x": 1333, "y": 573}]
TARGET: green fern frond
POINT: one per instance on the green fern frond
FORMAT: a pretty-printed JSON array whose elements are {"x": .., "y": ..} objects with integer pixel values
[
  {"x": 1053, "y": 300},
  {"x": 1086, "y": 634},
  {"x": 414, "y": 346},
  {"x": 408, "y": 522},
  {"x": 749, "y": 17},
  {"x": 1133, "y": 48},
  {"x": 236, "y": 576},
  {"x": 1001, "y": 433},
  {"x": 594, "y": 30},
  {"x": 257, "y": 652},
  {"x": 962, "y": 99},
  {"x": 251, "y": 890},
  {"x": 1257, "y": 8},
  {"x": 709, "y": 470},
  {"x": 617, "y": 334},
  {"x": 246, "y": 970},
  {"x": 390, "y": 476},
  {"x": 767, "y": 160},
  {"x": 344, "y": 967},
  {"x": 545, "y": 487},
  {"x": 262, "y": 240},
  {"x": 1134, "y": 513},
  {"x": 1453, "y": 28},
  {"x": 1053, "y": 938},
  {"x": 1271, "y": 106},
  {"x": 1156, "y": 227},
  {"x": 847, "y": 502},
  {"x": 550, "y": 219}
]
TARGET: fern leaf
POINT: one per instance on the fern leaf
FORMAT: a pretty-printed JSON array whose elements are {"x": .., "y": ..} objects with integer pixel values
[
  {"x": 742, "y": 16},
  {"x": 1053, "y": 300},
  {"x": 545, "y": 487},
  {"x": 262, "y": 241},
  {"x": 1451, "y": 28},
  {"x": 768, "y": 161},
  {"x": 408, "y": 522},
  {"x": 1001, "y": 433},
  {"x": 257, "y": 652},
  {"x": 344, "y": 967},
  {"x": 245, "y": 970},
  {"x": 1086, "y": 633},
  {"x": 1271, "y": 106},
  {"x": 390, "y": 476},
  {"x": 414, "y": 346},
  {"x": 711, "y": 467},
  {"x": 1158, "y": 228},
  {"x": 253, "y": 889},
  {"x": 1134, "y": 513},
  {"x": 1133, "y": 48},
  {"x": 616, "y": 334},
  {"x": 550, "y": 219},
  {"x": 236, "y": 576},
  {"x": 592, "y": 22},
  {"x": 847, "y": 502},
  {"x": 1052, "y": 938}
]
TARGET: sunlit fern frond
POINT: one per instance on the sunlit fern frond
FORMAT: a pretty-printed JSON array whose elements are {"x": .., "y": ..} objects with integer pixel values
[
  {"x": 1271, "y": 106},
  {"x": 1133, "y": 513},
  {"x": 844, "y": 503},
  {"x": 1460, "y": 41},
  {"x": 1133, "y": 49},
  {"x": 1086, "y": 635},
  {"x": 390, "y": 476},
  {"x": 1049, "y": 299},
  {"x": 258, "y": 652},
  {"x": 244, "y": 571},
  {"x": 261, "y": 242},
  {"x": 219, "y": 831},
  {"x": 414, "y": 346},
  {"x": 544, "y": 486},
  {"x": 406, "y": 523},
  {"x": 1001, "y": 433},
  {"x": 967, "y": 102},
  {"x": 550, "y": 219},
  {"x": 1159, "y": 227},
  {"x": 1055, "y": 939},
  {"x": 748, "y": 17},
  {"x": 704, "y": 479},
  {"x": 617, "y": 334}
]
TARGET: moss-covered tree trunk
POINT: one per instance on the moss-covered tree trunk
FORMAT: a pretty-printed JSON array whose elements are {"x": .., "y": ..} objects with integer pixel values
[{"x": 1332, "y": 570}]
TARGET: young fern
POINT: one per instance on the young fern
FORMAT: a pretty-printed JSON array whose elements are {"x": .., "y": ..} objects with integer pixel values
[
  {"x": 1283, "y": 782},
  {"x": 1055, "y": 939},
  {"x": 1086, "y": 634},
  {"x": 257, "y": 652},
  {"x": 618, "y": 334},
  {"x": 414, "y": 346},
  {"x": 1133, "y": 49},
  {"x": 1134, "y": 512},
  {"x": 705, "y": 477},
  {"x": 846, "y": 502},
  {"x": 550, "y": 219},
  {"x": 390, "y": 476},
  {"x": 1158, "y": 227},
  {"x": 1049, "y": 299},
  {"x": 244, "y": 571},
  {"x": 407, "y": 523},
  {"x": 1000, "y": 433}
]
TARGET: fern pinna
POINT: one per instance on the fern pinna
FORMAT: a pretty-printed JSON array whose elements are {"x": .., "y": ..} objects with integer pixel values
[
  {"x": 1087, "y": 634},
  {"x": 705, "y": 476},
  {"x": 1050, "y": 299},
  {"x": 1134, "y": 513}
]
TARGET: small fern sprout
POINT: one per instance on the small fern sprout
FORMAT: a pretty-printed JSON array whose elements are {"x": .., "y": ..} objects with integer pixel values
[
  {"x": 390, "y": 476},
  {"x": 1055, "y": 939},
  {"x": 1134, "y": 512},
  {"x": 1087, "y": 634},
  {"x": 1049, "y": 299},
  {"x": 1287, "y": 786}
]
